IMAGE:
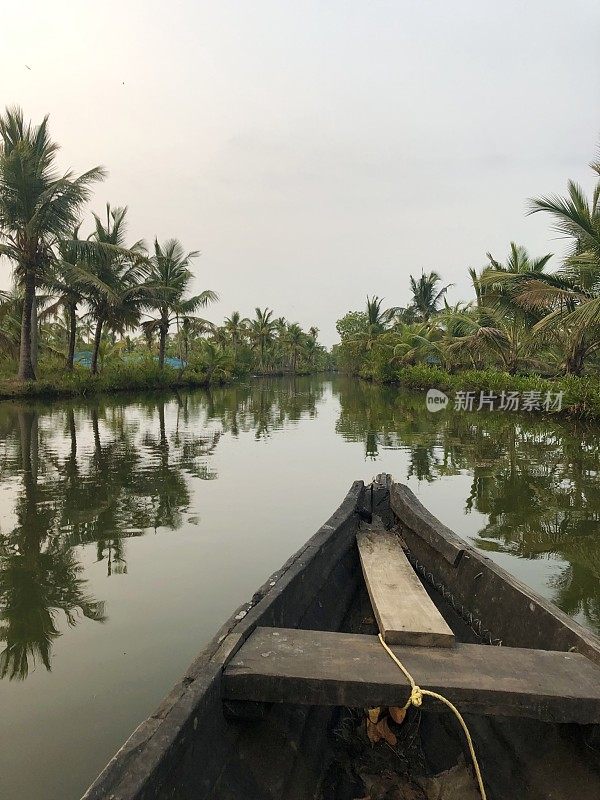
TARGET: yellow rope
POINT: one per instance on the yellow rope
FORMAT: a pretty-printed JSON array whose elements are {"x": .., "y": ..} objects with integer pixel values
[{"x": 416, "y": 699}]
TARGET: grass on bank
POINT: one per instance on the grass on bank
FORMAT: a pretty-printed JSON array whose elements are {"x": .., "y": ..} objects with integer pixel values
[{"x": 58, "y": 382}]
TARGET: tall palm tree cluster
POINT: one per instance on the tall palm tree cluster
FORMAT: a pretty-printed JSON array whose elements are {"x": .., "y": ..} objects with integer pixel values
[
  {"x": 67, "y": 285},
  {"x": 86, "y": 298},
  {"x": 524, "y": 318}
]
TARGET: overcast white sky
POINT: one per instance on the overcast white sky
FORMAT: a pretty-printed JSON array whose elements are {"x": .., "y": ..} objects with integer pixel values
[{"x": 317, "y": 150}]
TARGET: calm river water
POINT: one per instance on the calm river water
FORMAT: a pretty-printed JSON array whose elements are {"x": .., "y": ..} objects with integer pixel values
[{"x": 131, "y": 527}]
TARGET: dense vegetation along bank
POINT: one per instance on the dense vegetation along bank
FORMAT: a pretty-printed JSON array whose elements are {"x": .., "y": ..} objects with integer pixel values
[
  {"x": 580, "y": 395},
  {"x": 80, "y": 383}
]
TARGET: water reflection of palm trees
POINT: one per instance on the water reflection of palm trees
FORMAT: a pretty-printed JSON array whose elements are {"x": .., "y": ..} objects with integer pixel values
[
  {"x": 87, "y": 475},
  {"x": 535, "y": 479},
  {"x": 99, "y": 474},
  {"x": 265, "y": 405},
  {"x": 39, "y": 576}
]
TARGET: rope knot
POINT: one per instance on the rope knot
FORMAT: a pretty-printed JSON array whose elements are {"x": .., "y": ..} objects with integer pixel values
[{"x": 416, "y": 696}]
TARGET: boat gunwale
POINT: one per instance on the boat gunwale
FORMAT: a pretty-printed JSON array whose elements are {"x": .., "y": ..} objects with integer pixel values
[{"x": 456, "y": 555}]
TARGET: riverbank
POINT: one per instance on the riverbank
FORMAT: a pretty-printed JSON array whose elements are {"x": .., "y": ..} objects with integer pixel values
[
  {"x": 81, "y": 383},
  {"x": 123, "y": 378},
  {"x": 580, "y": 395}
]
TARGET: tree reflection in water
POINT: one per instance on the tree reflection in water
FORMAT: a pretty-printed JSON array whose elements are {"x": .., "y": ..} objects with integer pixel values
[
  {"x": 536, "y": 479},
  {"x": 39, "y": 574},
  {"x": 101, "y": 473},
  {"x": 119, "y": 485}
]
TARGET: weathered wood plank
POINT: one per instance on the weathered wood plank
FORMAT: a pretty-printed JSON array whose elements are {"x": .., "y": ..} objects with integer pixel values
[
  {"x": 318, "y": 668},
  {"x": 404, "y": 611}
]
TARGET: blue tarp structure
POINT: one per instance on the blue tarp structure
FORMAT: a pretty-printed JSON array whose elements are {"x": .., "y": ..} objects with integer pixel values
[
  {"x": 83, "y": 358},
  {"x": 176, "y": 363}
]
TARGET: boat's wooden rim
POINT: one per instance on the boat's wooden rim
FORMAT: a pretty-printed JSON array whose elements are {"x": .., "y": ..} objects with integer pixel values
[{"x": 488, "y": 591}]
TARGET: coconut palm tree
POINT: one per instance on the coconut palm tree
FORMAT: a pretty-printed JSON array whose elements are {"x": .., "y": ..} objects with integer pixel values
[
  {"x": 261, "y": 330},
  {"x": 519, "y": 261},
  {"x": 38, "y": 206},
  {"x": 497, "y": 326},
  {"x": 168, "y": 278},
  {"x": 311, "y": 349},
  {"x": 71, "y": 294},
  {"x": 417, "y": 342},
  {"x": 484, "y": 334},
  {"x": 426, "y": 295},
  {"x": 572, "y": 295},
  {"x": 295, "y": 341},
  {"x": 378, "y": 318},
  {"x": 216, "y": 362},
  {"x": 71, "y": 253},
  {"x": 235, "y": 327},
  {"x": 192, "y": 327},
  {"x": 114, "y": 277},
  {"x": 568, "y": 299}
]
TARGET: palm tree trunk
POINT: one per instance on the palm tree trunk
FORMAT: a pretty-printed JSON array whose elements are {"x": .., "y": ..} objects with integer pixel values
[
  {"x": 574, "y": 364},
  {"x": 72, "y": 335},
  {"x": 576, "y": 357},
  {"x": 35, "y": 334},
  {"x": 97, "y": 339},
  {"x": 26, "y": 367},
  {"x": 162, "y": 346}
]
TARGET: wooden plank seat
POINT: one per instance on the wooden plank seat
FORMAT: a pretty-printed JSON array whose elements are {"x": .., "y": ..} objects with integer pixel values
[
  {"x": 404, "y": 611},
  {"x": 322, "y": 668}
]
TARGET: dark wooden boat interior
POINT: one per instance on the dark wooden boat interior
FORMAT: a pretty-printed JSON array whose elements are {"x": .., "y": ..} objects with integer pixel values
[{"x": 224, "y": 732}]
